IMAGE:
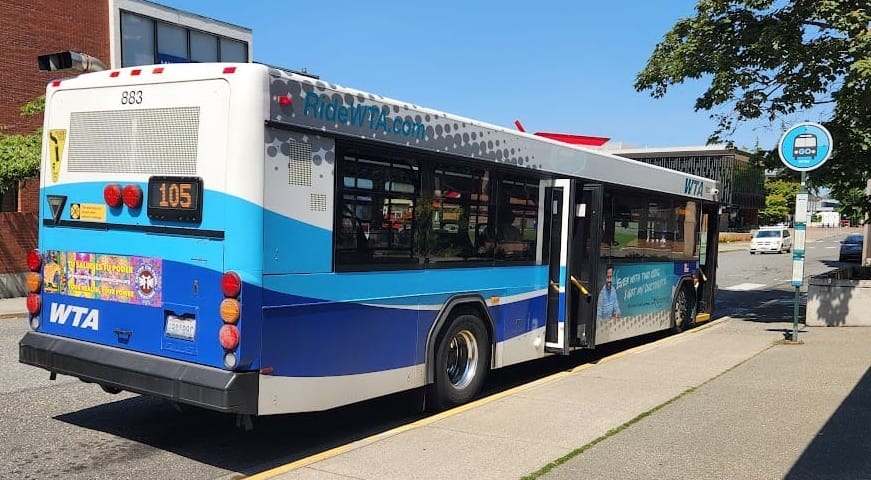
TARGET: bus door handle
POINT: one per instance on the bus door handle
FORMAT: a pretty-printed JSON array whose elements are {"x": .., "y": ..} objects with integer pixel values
[
  {"x": 580, "y": 286},
  {"x": 554, "y": 286}
]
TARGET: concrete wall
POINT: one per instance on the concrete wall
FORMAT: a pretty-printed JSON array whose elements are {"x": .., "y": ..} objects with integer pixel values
[{"x": 841, "y": 298}]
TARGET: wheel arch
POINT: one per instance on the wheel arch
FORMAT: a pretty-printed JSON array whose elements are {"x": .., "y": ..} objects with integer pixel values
[{"x": 456, "y": 305}]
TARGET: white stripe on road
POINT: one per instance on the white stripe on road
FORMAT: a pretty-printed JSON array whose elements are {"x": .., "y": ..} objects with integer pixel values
[{"x": 744, "y": 286}]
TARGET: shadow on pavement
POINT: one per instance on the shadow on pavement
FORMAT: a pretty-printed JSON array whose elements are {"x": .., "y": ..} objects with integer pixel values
[
  {"x": 210, "y": 437},
  {"x": 765, "y": 305},
  {"x": 842, "y": 448}
]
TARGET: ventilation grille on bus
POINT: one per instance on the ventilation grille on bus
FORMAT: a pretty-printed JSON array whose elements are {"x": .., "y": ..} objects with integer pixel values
[
  {"x": 318, "y": 202},
  {"x": 159, "y": 141},
  {"x": 299, "y": 163}
]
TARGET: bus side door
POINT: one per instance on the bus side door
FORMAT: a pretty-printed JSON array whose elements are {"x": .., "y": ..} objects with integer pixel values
[{"x": 583, "y": 262}]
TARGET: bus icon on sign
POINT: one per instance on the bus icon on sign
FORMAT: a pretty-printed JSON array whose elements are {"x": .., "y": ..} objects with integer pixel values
[{"x": 805, "y": 145}]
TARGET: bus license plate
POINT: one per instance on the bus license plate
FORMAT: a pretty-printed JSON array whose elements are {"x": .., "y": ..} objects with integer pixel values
[{"x": 181, "y": 327}]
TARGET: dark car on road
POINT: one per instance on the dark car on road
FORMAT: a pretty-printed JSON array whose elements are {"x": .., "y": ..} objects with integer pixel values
[{"x": 851, "y": 248}]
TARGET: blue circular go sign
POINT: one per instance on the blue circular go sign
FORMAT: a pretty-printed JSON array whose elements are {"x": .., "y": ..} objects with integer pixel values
[{"x": 805, "y": 146}]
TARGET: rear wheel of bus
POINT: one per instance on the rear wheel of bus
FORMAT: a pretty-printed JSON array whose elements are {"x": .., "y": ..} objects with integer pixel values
[{"x": 462, "y": 358}]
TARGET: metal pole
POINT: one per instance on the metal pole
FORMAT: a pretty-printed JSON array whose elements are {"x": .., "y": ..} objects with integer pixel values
[{"x": 802, "y": 190}]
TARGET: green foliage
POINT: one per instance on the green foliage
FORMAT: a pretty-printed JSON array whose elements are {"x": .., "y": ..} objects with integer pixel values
[
  {"x": 768, "y": 59},
  {"x": 19, "y": 157},
  {"x": 20, "y": 154},
  {"x": 783, "y": 188},
  {"x": 776, "y": 210},
  {"x": 850, "y": 208}
]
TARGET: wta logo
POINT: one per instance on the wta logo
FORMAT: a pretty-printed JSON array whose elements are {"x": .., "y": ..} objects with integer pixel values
[{"x": 80, "y": 317}]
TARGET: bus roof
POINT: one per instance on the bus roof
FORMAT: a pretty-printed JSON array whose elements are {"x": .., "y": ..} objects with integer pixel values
[{"x": 304, "y": 101}]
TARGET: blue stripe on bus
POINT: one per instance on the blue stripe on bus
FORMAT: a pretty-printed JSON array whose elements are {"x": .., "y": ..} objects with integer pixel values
[
  {"x": 330, "y": 339},
  {"x": 245, "y": 217},
  {"x": 92, "y": 193},
  {"x": 292, "y": 246},
  {"x": 406, "y": 287}
]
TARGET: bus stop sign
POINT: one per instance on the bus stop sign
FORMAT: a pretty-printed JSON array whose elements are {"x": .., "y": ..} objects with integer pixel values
[{"x": 805, "y": 146}]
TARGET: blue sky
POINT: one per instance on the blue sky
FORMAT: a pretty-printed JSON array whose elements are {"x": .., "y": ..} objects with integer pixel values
[{"x": 557, "y": 66}]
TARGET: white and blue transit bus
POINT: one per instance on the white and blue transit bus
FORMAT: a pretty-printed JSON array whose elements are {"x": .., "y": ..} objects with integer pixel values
[{"x": 259, "y": 241}]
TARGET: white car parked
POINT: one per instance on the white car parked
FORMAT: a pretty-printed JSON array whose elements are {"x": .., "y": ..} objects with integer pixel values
[{"x": 771, "y": 239}]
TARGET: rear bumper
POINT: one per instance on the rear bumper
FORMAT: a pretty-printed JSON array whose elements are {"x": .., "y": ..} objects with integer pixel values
[
  {"x": 850, "y": 257},
  {"x": 183, "y": 382}
]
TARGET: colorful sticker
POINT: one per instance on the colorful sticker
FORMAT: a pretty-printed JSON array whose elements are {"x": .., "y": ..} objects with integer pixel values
[{"x": 116, "y": 278}]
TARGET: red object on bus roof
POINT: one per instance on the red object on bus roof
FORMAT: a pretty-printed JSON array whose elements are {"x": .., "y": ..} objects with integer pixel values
[{"x": 586, "y": 140}]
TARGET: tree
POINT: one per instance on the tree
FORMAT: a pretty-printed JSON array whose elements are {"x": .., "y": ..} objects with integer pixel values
[
  {"x": 775, "y": 211},
  {"x": 767, "y": 59},
  {"x": 783, "y": 188},
  {"x": 20, "y": 154}
]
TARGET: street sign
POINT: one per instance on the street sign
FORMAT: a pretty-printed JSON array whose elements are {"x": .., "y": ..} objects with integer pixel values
[
  {"x": 805, "y": 146},
  {"x": 797, "y": 271},
  {"x": 801, "y": 201}
]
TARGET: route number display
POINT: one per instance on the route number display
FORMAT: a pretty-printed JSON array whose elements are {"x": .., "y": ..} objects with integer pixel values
[{"x": 175, "y": 198}]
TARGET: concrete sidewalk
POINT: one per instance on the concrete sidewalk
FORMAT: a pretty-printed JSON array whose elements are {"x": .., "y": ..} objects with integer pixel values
[
  {"x": 13, "y": 307},
  {"x": 723, "y": 401}
]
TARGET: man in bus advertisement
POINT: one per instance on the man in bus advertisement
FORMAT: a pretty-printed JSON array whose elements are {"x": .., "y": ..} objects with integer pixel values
[{"x": 633, "y": 295}]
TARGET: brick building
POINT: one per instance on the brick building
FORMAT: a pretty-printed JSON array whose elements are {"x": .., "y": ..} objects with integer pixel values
[{"x": 119, "y": 33}]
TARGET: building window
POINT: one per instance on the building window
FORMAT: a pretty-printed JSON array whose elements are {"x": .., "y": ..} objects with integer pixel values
[
  {"x": 137, "y": 40},
  {"x": 204, "y": 47},
  {"x": 9, "y": 198},
  {"x": 233, "y": 51},
  {"x": 146, "y": 41},
  {"x": 172, "y": 44}
]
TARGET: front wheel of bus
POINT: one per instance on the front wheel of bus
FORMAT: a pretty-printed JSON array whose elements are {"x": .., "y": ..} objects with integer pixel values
[
  {"x": 683, "y": 309},
  {"x": 462, "y": 358}
]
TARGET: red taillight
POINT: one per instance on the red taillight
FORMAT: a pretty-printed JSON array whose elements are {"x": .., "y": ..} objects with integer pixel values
[
  {"x": 132, "y": 195},
  {"x": 157, "y": 70},
  {"x": 34, "y": 304},
  {"x": 229, "y": 337},
  {"x": 231, "y": 284},
  {"x": 136, "y": 71},
  {"x": 114, "y": 74},
  {"x": 229, "y": 69},
  {"x": 285, "y": 100},
  {"x": 112, "y": 195},
  {"x": 34, "y": 260}
]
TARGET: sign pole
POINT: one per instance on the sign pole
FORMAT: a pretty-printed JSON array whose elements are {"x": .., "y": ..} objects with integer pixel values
[
  {"x": 800, "y": 222},
  {"x": 803, "y": 147}
]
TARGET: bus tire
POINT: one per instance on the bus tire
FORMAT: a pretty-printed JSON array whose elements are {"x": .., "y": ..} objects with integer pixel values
[
  {"x": 462, "y": 358},
  {"x": 682, "y": 309}
]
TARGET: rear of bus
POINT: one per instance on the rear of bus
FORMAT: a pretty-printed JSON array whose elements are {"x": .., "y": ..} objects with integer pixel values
[{"x": 150, "y": 236}]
